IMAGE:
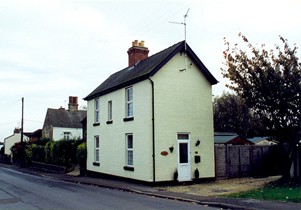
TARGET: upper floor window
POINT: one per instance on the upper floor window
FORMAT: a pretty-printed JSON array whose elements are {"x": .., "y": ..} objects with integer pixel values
[
  {"x": 129, "y": 102},
  {"x": 109, "y": 110},
  {"x": 96, "y": 109}
]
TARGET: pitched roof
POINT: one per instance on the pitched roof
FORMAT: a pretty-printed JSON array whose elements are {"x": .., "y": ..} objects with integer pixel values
[
  {"x": 229, "y": 138},
  {"x": 146, "y": 68},
  {"x": 64, "y": 118}
]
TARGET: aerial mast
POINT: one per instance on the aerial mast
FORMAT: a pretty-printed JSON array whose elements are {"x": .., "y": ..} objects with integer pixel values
[{"x": 185, "y": 38}]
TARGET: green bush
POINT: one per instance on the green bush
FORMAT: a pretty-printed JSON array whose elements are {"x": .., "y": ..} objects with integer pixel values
[
  {"x": 42, "y": 142},
  {"x": 49, "y": 152},
  {"x": 62, "y": 152},
  {"x": 81, "y": 153},
  {"x": 38, "y": 153}
]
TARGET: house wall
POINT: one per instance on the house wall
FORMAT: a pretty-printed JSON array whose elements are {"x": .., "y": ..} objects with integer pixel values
[
  {"x": 58, "y": 133},
  {"x": 112, "y": 136},
  {"x": 11, "y": 140},
  {"x": 47, "y": 131},
  {"x": 183, "y": 103}
]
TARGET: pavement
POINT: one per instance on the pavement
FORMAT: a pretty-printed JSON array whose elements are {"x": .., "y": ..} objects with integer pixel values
[{"x": 133, "y": 187}]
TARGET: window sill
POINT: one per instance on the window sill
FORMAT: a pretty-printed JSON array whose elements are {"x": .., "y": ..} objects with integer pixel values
[
  {"x": 110, "y": 122},
  {"x": 128, "y": 168},
  {"x": 96, "y": 164},
  {"x": 96, "y": 124},
  {"x": 128, "y": 119}
]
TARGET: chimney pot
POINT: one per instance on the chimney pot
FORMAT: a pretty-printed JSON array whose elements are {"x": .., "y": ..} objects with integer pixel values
[
  {"x": 73, "y": 103},
  {"x": 137, "y": 52},
  {"x": 17, "y": 130}
]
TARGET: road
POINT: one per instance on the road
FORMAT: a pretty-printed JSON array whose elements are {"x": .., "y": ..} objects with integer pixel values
[{"x": 24, "y": 191}]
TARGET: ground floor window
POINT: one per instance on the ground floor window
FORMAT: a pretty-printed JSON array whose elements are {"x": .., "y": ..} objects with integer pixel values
[
  {"x": 96, "y": 149},
  {"x": 129, "y": 150},
  {"x": 67, "y": 135}
]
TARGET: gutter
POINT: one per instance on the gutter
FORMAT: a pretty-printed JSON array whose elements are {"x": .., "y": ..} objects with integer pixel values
[{"x": 153, "y": 129}]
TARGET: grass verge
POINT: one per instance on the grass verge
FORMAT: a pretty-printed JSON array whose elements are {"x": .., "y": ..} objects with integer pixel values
[{"x": 282, "y": 190}]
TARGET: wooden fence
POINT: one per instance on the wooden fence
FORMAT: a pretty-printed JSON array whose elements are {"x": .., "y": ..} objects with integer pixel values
[{"x": 233, "y": 161}]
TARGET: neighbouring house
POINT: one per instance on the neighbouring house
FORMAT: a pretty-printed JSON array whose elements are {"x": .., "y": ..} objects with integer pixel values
[
  {"x": 11, "y": 140},
  {"x": 34, "y": 136},
  {"x": 153, "y": 120},
  {"x": 230, "y": 139},
  {"x": 262, "y": 141},
  {"x": 64, "y": 124}
]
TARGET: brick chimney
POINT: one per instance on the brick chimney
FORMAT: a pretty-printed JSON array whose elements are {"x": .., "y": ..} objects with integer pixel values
[
  {"x": 137, "y": 52},
  {"x": 73, "y": 103},
  {"x": 17, "y": 130}
]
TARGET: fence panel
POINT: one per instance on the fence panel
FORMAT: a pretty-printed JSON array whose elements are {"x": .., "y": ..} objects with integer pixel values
[{"x": 233, "y": 161}]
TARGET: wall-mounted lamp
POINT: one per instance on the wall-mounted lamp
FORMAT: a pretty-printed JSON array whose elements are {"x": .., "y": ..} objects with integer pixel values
[
  {"x": 197, "y": 143},
  {"x": 171, "y": 149}
]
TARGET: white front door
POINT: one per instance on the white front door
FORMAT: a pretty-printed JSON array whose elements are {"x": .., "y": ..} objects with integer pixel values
[{"x": 183, "y": 158}]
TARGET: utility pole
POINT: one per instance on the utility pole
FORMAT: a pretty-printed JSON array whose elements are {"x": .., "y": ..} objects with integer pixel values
[{"x": 22, "y": 120}]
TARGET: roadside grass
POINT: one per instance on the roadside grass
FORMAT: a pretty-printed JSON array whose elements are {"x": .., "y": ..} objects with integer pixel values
[{"x": 281, "y": 190}]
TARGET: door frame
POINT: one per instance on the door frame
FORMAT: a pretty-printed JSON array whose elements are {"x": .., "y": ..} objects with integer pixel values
[{"x": 184, "y": 169}]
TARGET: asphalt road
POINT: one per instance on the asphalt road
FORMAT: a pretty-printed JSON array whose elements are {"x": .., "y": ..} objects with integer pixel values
[{"x": 24, "y": 191}]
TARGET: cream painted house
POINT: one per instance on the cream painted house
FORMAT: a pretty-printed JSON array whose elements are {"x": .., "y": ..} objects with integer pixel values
[
  {"x": 153, "y": 120},
  {"x": 11, "y": 140}
]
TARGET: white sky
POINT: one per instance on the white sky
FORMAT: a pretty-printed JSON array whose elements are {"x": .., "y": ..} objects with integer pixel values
[{"x": 50, "y": 50}]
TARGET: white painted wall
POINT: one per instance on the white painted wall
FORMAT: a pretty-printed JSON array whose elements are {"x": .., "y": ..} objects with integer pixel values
[
  {"x": 112, "y": 136},
  {"x": 58, "y": 133},
  {"x": 183, "y": 104}
]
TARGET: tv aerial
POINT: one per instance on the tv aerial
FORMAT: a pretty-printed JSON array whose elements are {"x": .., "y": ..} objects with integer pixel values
[
  {"x": 183, "y": 23},
  {"x": 185, "y": 45}
]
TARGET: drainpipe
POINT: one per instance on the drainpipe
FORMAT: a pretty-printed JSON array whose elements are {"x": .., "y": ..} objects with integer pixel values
[{"x": 153, "y": 130}]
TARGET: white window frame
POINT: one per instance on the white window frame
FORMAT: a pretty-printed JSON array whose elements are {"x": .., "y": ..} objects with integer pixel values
[
  {"x": 129, "y": 106},
  {"x": 96, "y": 149},
  {"x": 96, "y": 110},
  {"x": 129, "y": 150},
  {"x": 110, "y": 110},
  {"x": 67, "y": 135}
]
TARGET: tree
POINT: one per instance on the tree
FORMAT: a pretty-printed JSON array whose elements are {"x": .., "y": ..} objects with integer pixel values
[
  {"x": 270, "y": 83},
  {"x": 231, "y": 114}
]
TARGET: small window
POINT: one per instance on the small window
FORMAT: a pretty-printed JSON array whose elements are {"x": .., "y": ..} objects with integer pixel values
[
  {"x": 67, "y": 135},
  {"x": 110, "y": 110},
  {"x": 129, "y": 150},
  {"x": 129, "y": 102},
  {"x": 96, "y": 150},
  {"x": 183, "y": 136},
  {"x": 97, "y": 110}
]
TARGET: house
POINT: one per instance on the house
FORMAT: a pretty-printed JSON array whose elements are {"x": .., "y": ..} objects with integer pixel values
[
  {"x": 35, "y": 135},
  {"x": 153, "y": 120},
  {"x": 262, "y": 141},
  {"x": 64, "y": 124},
  {"x": 11, "y": 140},
  {"x": 230, "y": 138}
]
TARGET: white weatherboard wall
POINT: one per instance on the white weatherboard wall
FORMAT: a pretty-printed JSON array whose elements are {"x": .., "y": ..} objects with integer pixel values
[
  {"x": 75, "y": 133},
  {"x": 183, "y": 103},
  {"x": 112, "y": 136}
]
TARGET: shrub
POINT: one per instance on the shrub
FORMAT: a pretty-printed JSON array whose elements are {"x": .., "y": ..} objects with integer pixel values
[
  {"x": 49, "y": 152},
  {"x": 42, "y": 142},
  {"x": 38, "y": 153},
  {"x": 81, "y": 154}
]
